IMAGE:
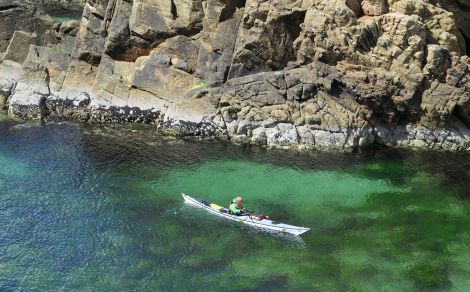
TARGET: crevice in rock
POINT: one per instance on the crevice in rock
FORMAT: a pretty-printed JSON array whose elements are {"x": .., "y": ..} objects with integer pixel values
[
  {"x": 368, "y": 38},
  {"x": 293, "y": 22},
  {"x": 90, "y": 58},
  {"x": 226, "y": 72},
  {"x": 100, "y": 17},
  {"x": 190, "y": 30},
  {"x": 174, "y": 10},
  {"x": 467, "y": 43},
  {"x": 7, "y": 6},
  {"x": 462, "y": 113},
  {"x": 229, "y": 9},
  {"x": 336, "y": 89},
  {"x": 42, "y": 108},
  {"x": 147, "y": 39},
  {"x": 129, "y": 55},
  {"x": 414, "y": 112},
  {"x": 284, "y": 31},
  {"x": 355, "y": 7}
]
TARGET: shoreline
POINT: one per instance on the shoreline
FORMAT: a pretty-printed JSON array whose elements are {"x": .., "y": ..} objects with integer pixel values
[
  {"x": 201, "y": 117},
  {"x": 407, "y": 138},
  {"x": 192, "y": 78}
]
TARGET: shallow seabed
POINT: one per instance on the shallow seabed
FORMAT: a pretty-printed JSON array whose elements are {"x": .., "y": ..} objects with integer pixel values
[{"x": 99, "y": 208}]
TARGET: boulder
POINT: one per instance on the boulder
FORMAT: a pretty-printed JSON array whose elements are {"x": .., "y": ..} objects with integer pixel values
[
  {"x": 29, "y": 98},
  {"x": 18, "y": 48},
  {"x": 438, "y": 61},
  {"x": 282, "y": 136},
  {"x": 259, "y": 136},
  {"x": 374, "y": 7}
]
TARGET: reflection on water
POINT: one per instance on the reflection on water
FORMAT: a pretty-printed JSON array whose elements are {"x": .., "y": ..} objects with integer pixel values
[{"x": 85, "y": 207}]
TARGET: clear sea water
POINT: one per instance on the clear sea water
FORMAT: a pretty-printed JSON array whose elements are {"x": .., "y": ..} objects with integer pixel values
[
  {"x": 61, "y": 15},
  {"x": 87, "y": 207}
]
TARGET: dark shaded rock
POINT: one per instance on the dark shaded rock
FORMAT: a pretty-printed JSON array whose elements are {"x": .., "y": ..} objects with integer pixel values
[{"x": 16, "y": 17}]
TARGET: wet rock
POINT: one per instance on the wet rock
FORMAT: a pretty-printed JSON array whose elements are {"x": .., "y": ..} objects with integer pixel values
[
  {"x": 283, "y": 135},
  {"x": 6, "y": 88},
  {"x": 306, "y": 136},
  {"x": 259, "y": 136},
  {"x": 232, "y": 127}
]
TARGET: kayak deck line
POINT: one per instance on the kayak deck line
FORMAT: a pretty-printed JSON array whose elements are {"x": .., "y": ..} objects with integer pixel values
[{"x": 246, "y": 219}]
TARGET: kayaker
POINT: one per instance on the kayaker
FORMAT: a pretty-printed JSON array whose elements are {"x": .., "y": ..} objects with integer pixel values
[{"x": 236, "y": 206}]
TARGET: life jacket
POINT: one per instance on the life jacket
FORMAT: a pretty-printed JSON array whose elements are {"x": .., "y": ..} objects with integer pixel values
[{"x": 233, "y": 202}]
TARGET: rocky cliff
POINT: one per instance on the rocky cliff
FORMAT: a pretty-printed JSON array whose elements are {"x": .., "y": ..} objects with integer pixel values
[{"x": 286, "y": 73}]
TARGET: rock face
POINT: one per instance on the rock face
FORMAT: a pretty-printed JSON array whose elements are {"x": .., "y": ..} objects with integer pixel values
[
  {"x": 56, "y": 1},
  {"x": 15, "y": 17},
  {"x": 285, "y": 73}
]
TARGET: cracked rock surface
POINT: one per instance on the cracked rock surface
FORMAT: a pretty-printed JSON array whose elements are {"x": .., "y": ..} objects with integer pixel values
[{"x": 283, "y": 73}]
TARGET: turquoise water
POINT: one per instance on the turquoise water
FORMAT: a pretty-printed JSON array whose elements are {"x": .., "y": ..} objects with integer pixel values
[
  {"x": 63, "y": 15},
  {"x": 99, "y": 208}
]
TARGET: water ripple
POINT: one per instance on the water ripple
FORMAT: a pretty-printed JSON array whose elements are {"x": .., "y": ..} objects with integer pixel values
[{"x": 99, "y": 208}]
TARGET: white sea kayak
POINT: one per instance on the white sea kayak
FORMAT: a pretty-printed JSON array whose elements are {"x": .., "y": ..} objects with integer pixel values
[{"x": 246, "y": 219}]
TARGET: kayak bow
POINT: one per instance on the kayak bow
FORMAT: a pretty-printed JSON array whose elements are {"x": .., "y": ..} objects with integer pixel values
[{"x": 246, "y": 219}]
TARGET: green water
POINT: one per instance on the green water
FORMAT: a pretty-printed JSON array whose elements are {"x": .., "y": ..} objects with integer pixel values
[
  {"x": 89, "y": 208},
  {"x": 62, "y": 15}
]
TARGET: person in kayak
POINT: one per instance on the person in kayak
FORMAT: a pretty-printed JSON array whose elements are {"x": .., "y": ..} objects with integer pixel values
[{"x": 236, "y": 206}]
